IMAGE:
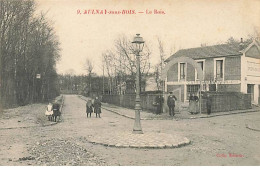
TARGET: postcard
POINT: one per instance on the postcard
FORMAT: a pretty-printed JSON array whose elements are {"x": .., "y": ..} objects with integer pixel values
[{"x": 129, "y": 82}]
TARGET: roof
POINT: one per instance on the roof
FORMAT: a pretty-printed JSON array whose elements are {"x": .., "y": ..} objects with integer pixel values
[{"x": 210, "y": 51}]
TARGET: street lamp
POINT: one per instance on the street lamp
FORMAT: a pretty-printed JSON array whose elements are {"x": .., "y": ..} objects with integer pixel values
[{"x": 138, "y": 45}]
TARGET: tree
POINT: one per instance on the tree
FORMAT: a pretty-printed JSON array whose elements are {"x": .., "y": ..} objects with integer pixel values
[
  {"x": 109, "y": 64},
  {"x": 120, "y": 62},
  {"x": 28, "y": 46},
  {"x": 159, "y": 67},
  {"x": 89, "y": 66},
  {"x": 126, "y": 56},
  {"x": 231, "y": 40},
  {"x": 157, "y": 76}
]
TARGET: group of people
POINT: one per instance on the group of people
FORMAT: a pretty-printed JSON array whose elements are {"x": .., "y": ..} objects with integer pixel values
[
  {"x": 193, "y": 103},
  {"x": 53, "y": 111},
  {"x": 170, "y": 102},
  {"x": 96, "y": 105}
]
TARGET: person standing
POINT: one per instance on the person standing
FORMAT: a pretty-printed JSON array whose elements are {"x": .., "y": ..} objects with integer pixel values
[
  {"x": 89, "y": 107},
  {"x": 49, "y": 111},
  {"x": 171, "y": 103},
  {"x": 159, "y": 103},
  {"x": 56, "y": 111},
  {"x": 208, "y": 103},
  {"x": 193, "y": 104},
  {"x": 190, "y": 103},
  {"x": 97, "y": 107}
]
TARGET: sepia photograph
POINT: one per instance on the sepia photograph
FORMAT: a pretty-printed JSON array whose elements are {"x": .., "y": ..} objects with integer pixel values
[{"x": 129, "y": 83}]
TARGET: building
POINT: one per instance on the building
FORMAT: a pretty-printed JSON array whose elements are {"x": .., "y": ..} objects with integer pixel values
[{"x": 227, "y": 67}]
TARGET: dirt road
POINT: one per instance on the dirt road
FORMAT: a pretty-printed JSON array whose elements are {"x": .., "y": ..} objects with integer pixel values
[{"x": 220, "y": 140}]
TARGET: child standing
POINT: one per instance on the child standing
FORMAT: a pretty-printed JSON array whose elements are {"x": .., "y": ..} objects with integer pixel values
[{"x": 89, "y": 107}]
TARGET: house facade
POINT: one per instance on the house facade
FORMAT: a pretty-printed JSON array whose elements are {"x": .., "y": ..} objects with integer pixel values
[{"x": 226, "y": 68}]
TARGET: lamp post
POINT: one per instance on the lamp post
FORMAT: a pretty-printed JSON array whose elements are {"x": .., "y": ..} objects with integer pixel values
[{"x": 138, "y": 47}]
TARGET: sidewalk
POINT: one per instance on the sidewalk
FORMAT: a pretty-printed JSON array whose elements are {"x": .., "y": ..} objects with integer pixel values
[
  {"x": 146, "y": 140},
  {"x": 32, "y": 115},
  {"x": 253, "y": 125},
  {"x": 24, "y": 117},
  {"x": 183, "y": 114}
]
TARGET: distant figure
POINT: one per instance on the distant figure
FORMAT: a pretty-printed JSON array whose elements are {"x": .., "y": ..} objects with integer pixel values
[
  {"x": 49, "y": 111},
  {"x": 97, "y": 107},
  {"x": 193, "y": 104},
  {"x": 208, "y": 103},
  {"x": 56, "y": 111},
  {"x": 159, "y": 103},
  {"x": 89, "y": 107},
  {"x": 171, "y": 103}
]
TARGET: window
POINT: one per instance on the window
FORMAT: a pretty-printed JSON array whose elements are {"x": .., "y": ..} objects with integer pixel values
[
  {"x": 192, "y": 89},
  {"x": 201, "y": 64},
  {"x": 182, "y": 71},
  {"x": 219, "y": 69}
]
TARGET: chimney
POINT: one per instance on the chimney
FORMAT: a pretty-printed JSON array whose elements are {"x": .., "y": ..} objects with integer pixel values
[{"x": 241, "y": 44}]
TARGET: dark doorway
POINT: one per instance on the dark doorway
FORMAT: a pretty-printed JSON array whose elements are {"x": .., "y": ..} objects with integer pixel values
[{"x": 250, "y": 90}]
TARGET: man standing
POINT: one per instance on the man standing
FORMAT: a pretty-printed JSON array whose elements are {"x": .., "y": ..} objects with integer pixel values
[
  {"x": 171, "y": 103},
  {"x": 208, "y": 103}
]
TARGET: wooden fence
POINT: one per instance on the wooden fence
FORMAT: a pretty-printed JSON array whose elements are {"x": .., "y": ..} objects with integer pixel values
[{"x": 227, "y": 101}]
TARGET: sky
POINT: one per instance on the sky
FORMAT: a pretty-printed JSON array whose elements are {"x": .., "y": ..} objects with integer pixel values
[{"x": 184, "y": 24}]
